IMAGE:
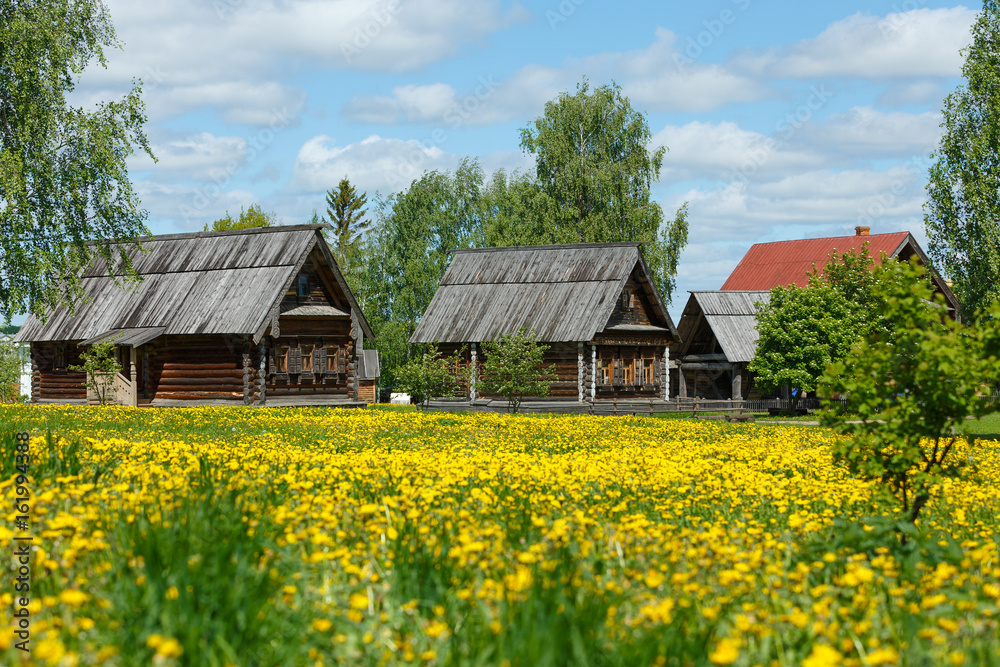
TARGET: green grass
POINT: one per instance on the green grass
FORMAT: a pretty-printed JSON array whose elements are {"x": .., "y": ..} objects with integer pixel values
[{"x": 987, "y": 428}]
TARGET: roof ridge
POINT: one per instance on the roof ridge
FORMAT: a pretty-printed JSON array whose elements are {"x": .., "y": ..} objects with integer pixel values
[
  {"x": 234, "y": 232},
  {"x": 552, "y": 246},
  {"x": 825, "y": 238}
]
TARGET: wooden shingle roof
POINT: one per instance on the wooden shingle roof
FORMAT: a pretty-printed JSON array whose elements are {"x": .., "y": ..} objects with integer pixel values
[
  {"x": 565, "y": 293},
  {"x": 732, "y": 317},
  {"x": 226, "y": 282}
]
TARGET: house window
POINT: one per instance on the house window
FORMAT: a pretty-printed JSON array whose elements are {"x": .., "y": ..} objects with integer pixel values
[
  {"x": 303, "y": 286},
  {"x": 281, "y": 356},
  {"x": 628, "y": 300},
  {"x": 59, "y": 363},
  {"x": 648, "y": 374},
  {"x": 606, "y": 372},
  {"x": 628, "y": 371},
  {"x": 331, "y": 359},
  {"x": 307, "y": 358}
]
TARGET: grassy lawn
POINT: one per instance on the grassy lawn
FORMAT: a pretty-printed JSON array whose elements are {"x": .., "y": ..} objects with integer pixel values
[{"x": 392, "y": 536}]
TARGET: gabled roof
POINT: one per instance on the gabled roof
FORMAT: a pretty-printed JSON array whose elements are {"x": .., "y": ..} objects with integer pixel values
[
  {"x": 565, "y": 293},
  {"x": 782, "y": 263},
  {"x": 228, "y": 282},
  {"x": 732, "y": 318}
]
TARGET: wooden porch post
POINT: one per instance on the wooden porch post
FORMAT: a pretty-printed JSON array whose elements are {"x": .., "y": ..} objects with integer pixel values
[
  {"x": 472, "y": 372},
  {"x": 593, "y": 372},
  {"x": 665, "y": 373},
  {"x": 580, "y": 372},
  {"x": 682, "y": 386},
  {"x": 133, "y": 377},
  {"x": 246, "y": 370},
  {"x": 261, "y": 397}
]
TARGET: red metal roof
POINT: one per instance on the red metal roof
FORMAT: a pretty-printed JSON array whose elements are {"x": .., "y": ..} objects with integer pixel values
[{"x": 768, "y": 265}]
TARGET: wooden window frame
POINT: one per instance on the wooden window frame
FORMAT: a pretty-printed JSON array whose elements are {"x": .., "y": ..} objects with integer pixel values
[
  {"x": 60, "y": 360},
  {"x": 306, "y": 353},
  {"x": 302, "y": 287},
  {"x": 281, "y": 359}
]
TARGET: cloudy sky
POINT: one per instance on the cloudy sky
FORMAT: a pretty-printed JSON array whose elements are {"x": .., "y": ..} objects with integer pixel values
[{"x": 782, "y": 120}]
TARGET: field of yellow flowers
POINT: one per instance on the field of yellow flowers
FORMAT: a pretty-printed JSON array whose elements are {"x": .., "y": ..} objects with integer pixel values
[{"x": 231, "y": 536}]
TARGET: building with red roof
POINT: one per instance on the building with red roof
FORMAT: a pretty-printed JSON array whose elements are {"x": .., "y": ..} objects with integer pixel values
[
  {"x": 718, "y": 329},
  {"x": 784, "y": 263}
]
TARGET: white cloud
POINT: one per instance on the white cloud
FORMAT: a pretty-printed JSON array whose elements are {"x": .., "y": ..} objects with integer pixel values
[
  {"x": 913, "y": 92},
  {"x": 194, "y": 156},
  {"x": 376, "y": 163},
  {"x": 870, "y": 133},
  {"x": 917, "y": 43},
  {"x": 230, "y": 54}
]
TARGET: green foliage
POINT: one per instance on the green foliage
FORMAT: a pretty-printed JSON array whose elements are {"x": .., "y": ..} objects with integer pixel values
[
  {"x": 63, "y": 176},
  {"x": 962, "y": 204},
  {"x": 222, "y": 541},
  {"x": 345, "y": 210},
  {"x": 594, "y": 172},
  {"x": 429, "y": 375},
  {"x": 594, "y": 165},
  {"x": 11, "y": 361},
  {"x": 801, "y": 331},
  {"x": 407, "y": 252},
  {"x": 910, "y": 390},
  {"x": 248, "y": 218},
  {"x": 100, "y": 365},
  {"x": 513, "y": 367}
]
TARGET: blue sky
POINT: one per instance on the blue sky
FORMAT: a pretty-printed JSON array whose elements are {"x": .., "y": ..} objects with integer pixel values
[{"x": 782, "y": 120}]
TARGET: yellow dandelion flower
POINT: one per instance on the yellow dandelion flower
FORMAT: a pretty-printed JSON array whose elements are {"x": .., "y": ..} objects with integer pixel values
[{"x": 725, "y": 653}]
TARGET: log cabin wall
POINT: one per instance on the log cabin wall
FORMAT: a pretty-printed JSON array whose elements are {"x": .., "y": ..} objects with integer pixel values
[
  {"x": 309, "y": 289},
  {"x": 561, "y": 356},
  {"x": 629, "y": 371},
  {"x": 633, "y": 306},
  {"x": 51, "y": 380},
  {"x": 195, "y": 368},
  {"x": 328, "y": 348}
]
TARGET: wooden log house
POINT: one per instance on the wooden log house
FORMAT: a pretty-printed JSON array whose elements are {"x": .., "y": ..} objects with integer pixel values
[
  {"x": 257, "y": 316},
  {"x": 595, "y": 305},
  {"x": 719, "y": 328},
  {"x": 719, "y": 334}
]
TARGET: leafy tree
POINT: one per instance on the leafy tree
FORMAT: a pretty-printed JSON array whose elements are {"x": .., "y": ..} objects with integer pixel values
[
  {"x": 429, "y": 375},
  {"x": 65, "y": 195},
  {"x": 11, "y": 360},
  {"x": 248, "y": 218},
  {"x": 908, "y": 391},
  {"x": 594, "y": 165},
  {"x": 100, "y": 365},
  {"x": 963, "y": 203},
  {"x": 345, "y": 211},
  {"x": 513, "y": 367},
  {"x": 407, "y": 253},
  {"x": 802, "y": 330}
]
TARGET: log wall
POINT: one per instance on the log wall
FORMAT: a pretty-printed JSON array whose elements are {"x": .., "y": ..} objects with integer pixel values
[
  {"x": 50, "y": 384},
  {"x": 196, "y": 368}
]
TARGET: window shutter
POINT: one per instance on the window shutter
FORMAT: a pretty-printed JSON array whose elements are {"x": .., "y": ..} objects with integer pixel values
[
  {"x": 619, "y": 372},
  {"x": 294, "y": 360},
  {"x": 320, "y": 362},
  {"x": 342, "y": 360}
]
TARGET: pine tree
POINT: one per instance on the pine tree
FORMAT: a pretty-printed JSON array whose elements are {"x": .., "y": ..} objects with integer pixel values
[{"x": 345, "y": 211}]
